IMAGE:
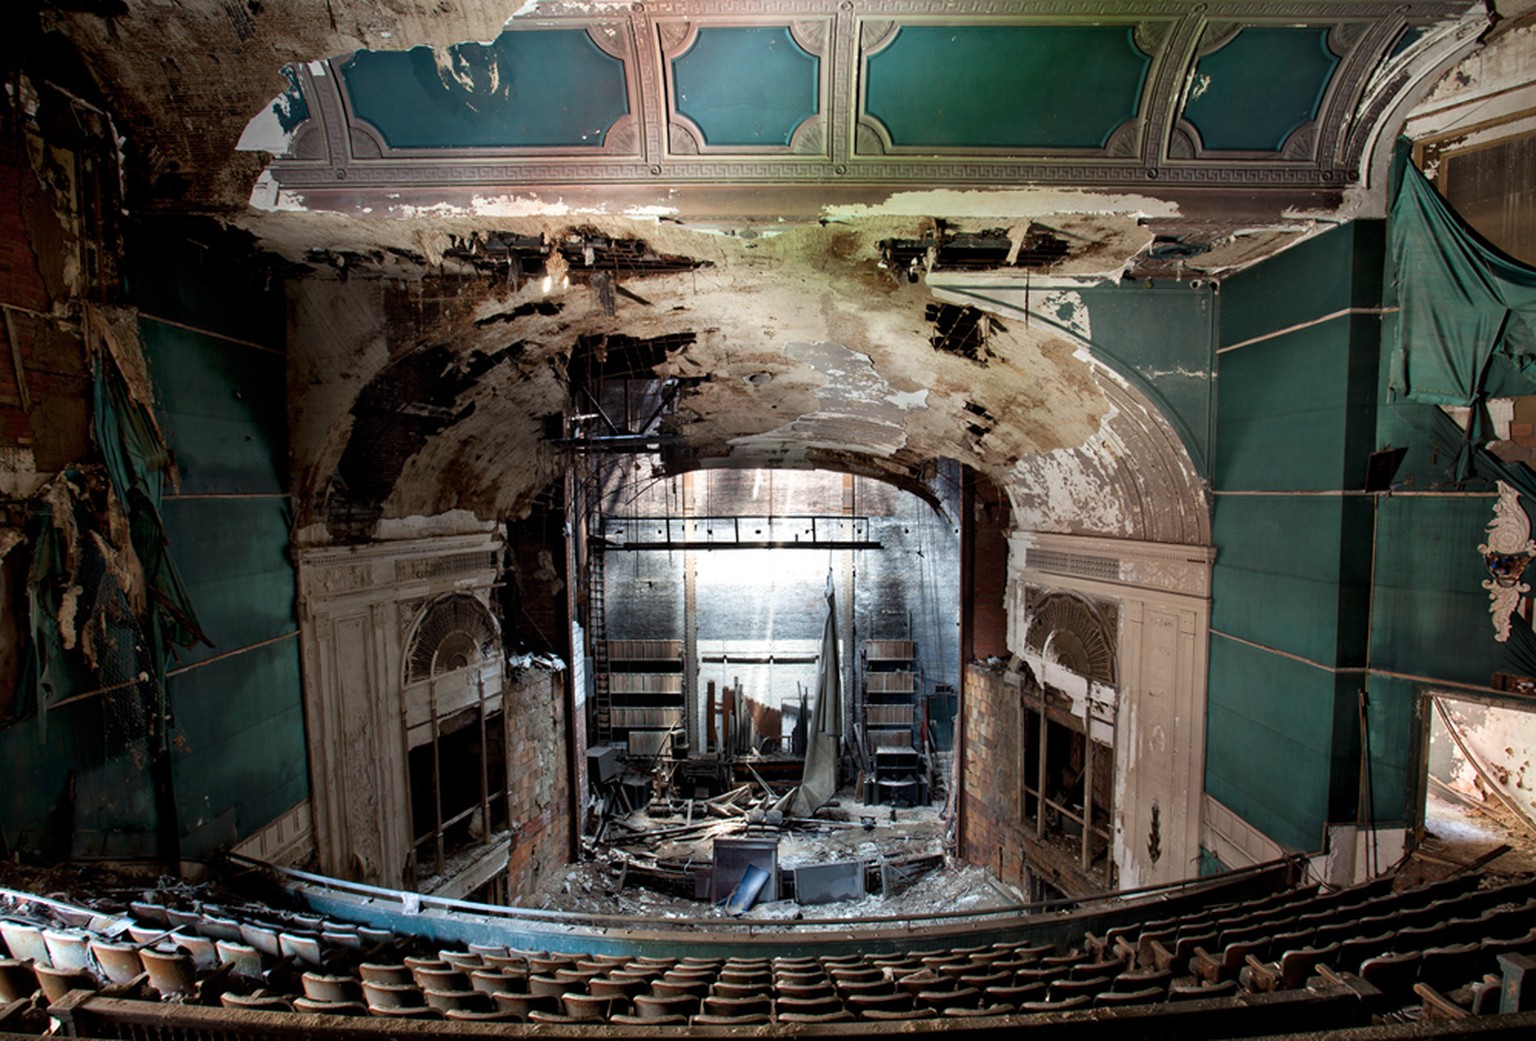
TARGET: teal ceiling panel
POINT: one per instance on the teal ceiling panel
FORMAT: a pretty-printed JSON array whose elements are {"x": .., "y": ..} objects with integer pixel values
[
  {"x": 1014, "y": 86},
  {"x": 1255, "y": 91},
  {"x": 526, "y": 89},
  {"x": 746, "y": 85}
]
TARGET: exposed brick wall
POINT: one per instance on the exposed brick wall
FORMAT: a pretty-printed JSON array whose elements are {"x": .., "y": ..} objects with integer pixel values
[
  {"x": 992, "y": 836},
  {"x": 55, "y": 429},
  {"x": 539, "y": 780}
]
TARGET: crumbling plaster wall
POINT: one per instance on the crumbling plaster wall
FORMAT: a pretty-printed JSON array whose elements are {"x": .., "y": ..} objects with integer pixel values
[{"x": 186, "y": 78}]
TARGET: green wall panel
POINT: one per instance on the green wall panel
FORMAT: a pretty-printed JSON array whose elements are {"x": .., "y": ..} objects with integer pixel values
[
  {"x": 1394, "y": 730},
  {"x": 746, "y": 85},
  {"x": 1173, "y": 368},
  {"x": 1431, "y": 612},
  {"x": 1283, "y": 411},
  {"x": 233, "y": 555},
  {"x": 526, "y": 89},
  {"x": 959, "y": 86},
  {"x": 1265, "y": 83},
  {"x": 239, "y": 753},
  {"x": 1269, "y": 741},
  {"x": 112, "y": 812},
  {"x": 1336, "y": 270},
  {"x": 180, "y": 278},
  {"x": 1298, "y": 411},
  {"x": 1277, "y": 574},
  {"x": 222, "y": 406}
]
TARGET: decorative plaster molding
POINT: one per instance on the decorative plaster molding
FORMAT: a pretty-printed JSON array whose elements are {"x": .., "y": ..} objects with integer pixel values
[
  {"x": 287, "y": 840},
  {"x": 1184, "y": 570},
  {"x": 333, "y": 576},
  {"x": 646, "y": 36},
  {"x": 1508, "y": 552},
  {"x": 1234, "y": 841}
]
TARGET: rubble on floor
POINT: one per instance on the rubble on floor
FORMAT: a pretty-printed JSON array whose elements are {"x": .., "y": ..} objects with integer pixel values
[{"x": 652, "y": 862}]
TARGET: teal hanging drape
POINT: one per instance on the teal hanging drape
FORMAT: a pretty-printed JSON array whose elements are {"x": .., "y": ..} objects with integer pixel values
[{"x": 1468, "y": 313}]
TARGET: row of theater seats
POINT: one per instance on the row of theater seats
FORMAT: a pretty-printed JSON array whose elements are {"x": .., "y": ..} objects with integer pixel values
[
  {"x": 1437, "y": 942},
  {"x": 1420, "y": 943}
]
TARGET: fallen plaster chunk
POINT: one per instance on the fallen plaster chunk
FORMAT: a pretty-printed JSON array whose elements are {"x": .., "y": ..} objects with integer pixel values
[
  {"x": 270, "y": 197},
  {"x": 653, "y": 213}
]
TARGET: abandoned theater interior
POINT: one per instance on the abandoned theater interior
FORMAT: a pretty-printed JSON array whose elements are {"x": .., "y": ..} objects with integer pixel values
[{"x": 665, "y": 518}]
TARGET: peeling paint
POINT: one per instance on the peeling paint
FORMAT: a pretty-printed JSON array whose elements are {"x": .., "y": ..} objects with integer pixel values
[
  {"x": 273, "y": 129},
  {"x": 1007, "y": 204},
  {"x": 1180, "y": 372},
  {"x": 853, "y": 412},
  {"x": 1068, "y": 309}
]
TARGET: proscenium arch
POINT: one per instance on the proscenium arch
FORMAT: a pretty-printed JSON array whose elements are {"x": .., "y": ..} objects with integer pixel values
[
  {"x": 1134, "y": 479},
  {"x": 1089, "y": 489},
  {"x": 463, "y": 395}
]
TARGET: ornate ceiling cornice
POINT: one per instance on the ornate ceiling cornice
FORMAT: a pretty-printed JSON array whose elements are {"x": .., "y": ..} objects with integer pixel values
[{"x": 1374, "y": 55}]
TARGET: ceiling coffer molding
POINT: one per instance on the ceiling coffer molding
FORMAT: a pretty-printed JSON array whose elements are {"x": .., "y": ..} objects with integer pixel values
[
  {"x": 838, "y": 140},
  {"x": 737, "y": 86}
]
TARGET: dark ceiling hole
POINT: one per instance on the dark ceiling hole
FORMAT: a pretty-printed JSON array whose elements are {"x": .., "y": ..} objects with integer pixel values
[
  {"x": 587, "y": 250},
  {"x": 974, "y": 251},
  {"x": 958, "y": 330},
  {"x": 1173, "y": 247},
  {"x": 547, "y": 308}
]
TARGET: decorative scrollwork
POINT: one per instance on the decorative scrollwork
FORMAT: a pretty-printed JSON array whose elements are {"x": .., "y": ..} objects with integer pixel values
[
  {"x": 1151, "y": 36},
  {"x": 811, "y": 35},
  {"x": 1125, "y": 142},
  {"x": 810, "y": 137},
  {"x": 1182, "y": 144},
  {"x": 1217, "y": 35},
  {"x": 868, "y": 140},
  {"x": 1302, "y": 143},
  {"x": 1507, "y": 553},
  {"x": 680, "y": 141},
  {"x": 673, "y": 36},
  {"x": 1343, "y": 36},
  {"x": 874, "y": 34}
]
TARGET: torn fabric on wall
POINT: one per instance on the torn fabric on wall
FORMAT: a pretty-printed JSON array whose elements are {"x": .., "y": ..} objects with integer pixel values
[
  {"x": 140, "y": 467},
  {"x": 104, "y": 599},
  {"x": 1468, "y": 313},
  {"x": 85, "y": 596}
]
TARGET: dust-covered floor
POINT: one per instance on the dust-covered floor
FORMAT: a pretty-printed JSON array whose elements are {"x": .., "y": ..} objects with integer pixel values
[
  {"x": 1459, "y": 832},
  {"x": 605, "y": 883}
]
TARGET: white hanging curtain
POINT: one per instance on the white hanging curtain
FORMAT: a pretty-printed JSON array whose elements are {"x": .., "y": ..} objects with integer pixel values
[{"x": 824, "y": 737}]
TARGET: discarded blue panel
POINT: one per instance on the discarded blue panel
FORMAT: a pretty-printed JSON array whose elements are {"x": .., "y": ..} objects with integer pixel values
[
  {"x": 734, "y": 856},
  {"x": 745, "y": 894}
]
